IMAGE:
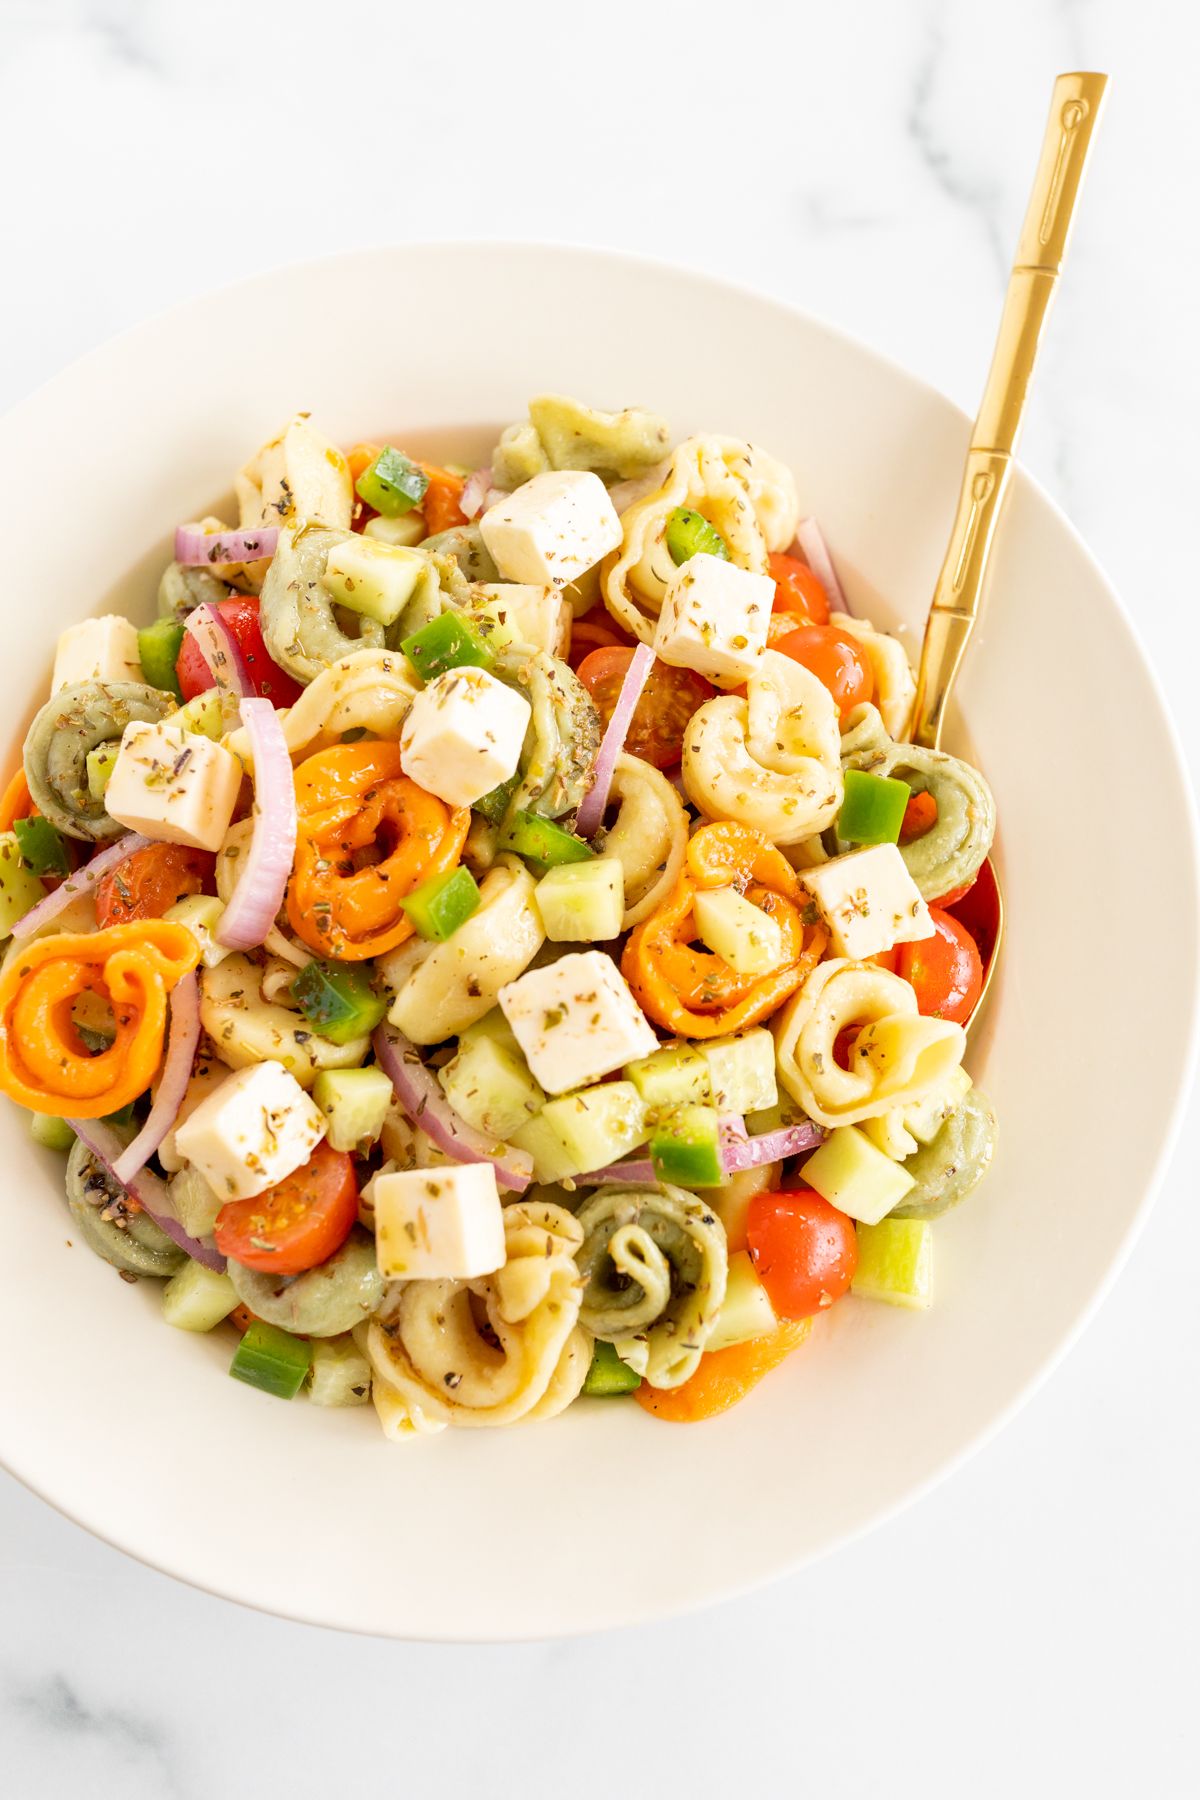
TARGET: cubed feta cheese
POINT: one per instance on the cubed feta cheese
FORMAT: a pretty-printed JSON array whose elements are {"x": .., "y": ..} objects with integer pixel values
[
  {"x": 462, "y": 735},
  {"x": 869, "y": 901},
  {"x": 576, "y": 1020},
  {"x": 173, "y": 785},
  {"x": 97, "y": 650},
  {"x": 438, "y": 1224},
  {"x": 256, "y": 1127},
  {"x": 524, "y": 614},
  {"x": 714, "y": 619},
  {"x": 553, "y": 528}
]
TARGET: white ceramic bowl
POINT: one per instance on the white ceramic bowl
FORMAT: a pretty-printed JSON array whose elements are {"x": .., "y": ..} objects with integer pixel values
[{"x": 606, "y": 1517}]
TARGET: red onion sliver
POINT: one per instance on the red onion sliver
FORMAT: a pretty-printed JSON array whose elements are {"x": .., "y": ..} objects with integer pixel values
[
  {"x": 172, "y": 1083},
  {"x": 420, "y": 1094},
  {"x": 636, "y": 1174},
  {"x": 83, "y": 881},
  {"x": 263, "y": 881},
  {"x": 772, "y": 1146},
  {"x": 221, "y": 651},
  {"x": 476, "y": 492},
  {"x": 149, "y": 1190},
  {"x": 815, "y": 552},
  {"x": 591, "y": 812},
  {"x": 194, "y": 547}
]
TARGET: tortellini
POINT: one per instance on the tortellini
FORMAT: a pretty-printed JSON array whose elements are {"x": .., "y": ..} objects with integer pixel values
[
  {"x": 465, "y": 544},
  {"x": 654, "y": 1265},
  {"x": 72, "y": 722},
  {"x": 560, "y": 745},
  {"x": 299, "y": 625},
  {"x": 504, "y": 1349},
  {"x": 950, "y": 853},
  {"x": 440, "y": 989},
  {"x": 297, "y": 477},
  {"x": 337, "y": 1295},
  {"x": 564, "y": 434},
  {"x": 772, "y": 760},
  {"x": 953, "y": 1165},
  {"x": 246, "y": 1027},
  {"x": 648, "y": 836},
  {"x": 127, "y": 1239},
  {"x": 183, "y": 588},
  {"x": 895, "y": 683},
  {"x": 368, "y": 691},
  {"x": 747, "y": 495},
  {"x": 896, "y": 1056}
]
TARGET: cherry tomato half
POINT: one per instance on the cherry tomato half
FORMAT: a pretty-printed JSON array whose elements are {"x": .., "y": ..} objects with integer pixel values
[
  {"x": 945, "y": 970},
  {"x": 805, "y": 1250},
  {"x": 798, "y": 590},
  {"x": 296, "y": 1224},
  {"x": 240, "y": 613},
  {"x": 145, "y": 883},
  {"x": 669, "y": 699},
  {"x": 836, "y": 659}
]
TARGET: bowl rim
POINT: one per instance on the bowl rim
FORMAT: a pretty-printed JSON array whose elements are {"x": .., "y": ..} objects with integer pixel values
[{"x": 723, "y": 1591}]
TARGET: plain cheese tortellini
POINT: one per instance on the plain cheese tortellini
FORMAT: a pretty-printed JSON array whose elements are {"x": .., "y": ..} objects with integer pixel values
[
  {"x": 896, "y": 1056},
  {"x": 648, "y": 836},
  {"x": 770, "y": 761},
  {"x": 564, "y": 434},
  {"x": 748, "y": 496},
  {"x": 440, "y": 989},
  {"x": 504, "y": 1349},
  {"x": 895, "y": 684},
  {"x": 246, "y": 1027},
  {"x": 296, "y": 477},
  {"x": 368, "y": 691}
]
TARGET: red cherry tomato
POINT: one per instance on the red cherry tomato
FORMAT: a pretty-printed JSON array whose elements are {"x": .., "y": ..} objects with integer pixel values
[
  {"x": 798, "y": 590},
  {"x": 804, "y": 1250},
  {"x": 296, "y": 1224},
  {"x": 148, "y": 881},
  {"x": 836, "y": 659},
  {"x": 945, "y": 970},
  {"x": 669, "y": 699},
  {"x": 240, "y": 613}
]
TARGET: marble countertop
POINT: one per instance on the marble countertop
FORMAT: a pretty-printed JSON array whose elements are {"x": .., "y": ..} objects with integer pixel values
[{"x": 1028, "y": 1627}]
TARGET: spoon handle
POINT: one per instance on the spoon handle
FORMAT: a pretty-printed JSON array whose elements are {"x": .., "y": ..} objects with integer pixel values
[{"x": 1041, "y": 249}]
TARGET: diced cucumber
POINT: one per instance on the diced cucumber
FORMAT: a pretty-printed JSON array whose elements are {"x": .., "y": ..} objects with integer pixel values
[
  {"x": 519, "y": 614},
  {"x": 158, "y": 652},
  {"x": 685, "y": 1147},
  {"x": 493, "y": 1025},
  {"x": 856, "y": 1177},
  {"x": 340, "y": 1373},
  {"x": 583, "y": 902},
  {"x": 746, "y": 1311},
  {"x": 41, "y": 846},
  {"x": 741, "y": 1071},
  {"x": 20, "y": 889},
  {"x": 440, "y": 905},
  {"x": 377, "y": 580},
  {"x": 744, "y": 935},
  {"x": 676, "y": 1075},
  {"x": 100, "y": 764},
  {"x": 355, "y": 1102},
  {"x": 201, "y": 913},
  {"x": 196, "y": 1203},
  {"x": 872, "y": 808},
  {"x": 925, "y": 1118},
  {"x": 785, "y": 1112},
  {"x": 272, "y": 1360},
  {"x": 51, "y": 1133},
  {"x": 406, "y": 528},
  {"x": 539, "y": 1139},
  {"x": 198, "y": 1298},
  {"x": 608, "y": 1374},
  {"x": 593, "y": 1127},
  {"x": 206, "y": 715},
  {"x": 489, "y": 1085},
  {"x": 895, "y": 1263}
]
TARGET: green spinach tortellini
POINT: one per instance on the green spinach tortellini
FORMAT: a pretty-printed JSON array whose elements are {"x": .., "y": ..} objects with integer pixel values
[
  {"x": 129, "y": 1240},
  {"x": 73, "y": 722},
  {"x": 953, "y": 1165},
  {"x": 564, "y": 434}
]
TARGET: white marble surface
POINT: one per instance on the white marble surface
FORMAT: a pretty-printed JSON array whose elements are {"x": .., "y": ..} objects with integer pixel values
[{"x": 1029, "y": 1627}]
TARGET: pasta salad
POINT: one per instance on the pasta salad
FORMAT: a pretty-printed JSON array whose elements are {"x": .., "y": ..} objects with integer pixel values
[{"x": 489, "y": 941}]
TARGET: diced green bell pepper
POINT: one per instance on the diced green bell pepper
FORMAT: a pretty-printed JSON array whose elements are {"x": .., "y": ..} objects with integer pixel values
[
  {"x": 686, "y": 1147},
  {"x": 544, "y": 842},
  {"x": 439, "y": 906},
  {"x": 872, "y": 808},
  {"x": 272, "y": 1360},
  {"x": 608, "y": 1374},
  {"x": 42, "y": 847},
  {"x": 494, "y": 805},
  {"x": 158, "y": 649},
  {"x": 338, "y": 1002},
  {"x": 20, "y": 889},
  {"x": 392, "y": 484},
  {"x": 447, "y": 642},
  {"x": 689, "y": 534}
]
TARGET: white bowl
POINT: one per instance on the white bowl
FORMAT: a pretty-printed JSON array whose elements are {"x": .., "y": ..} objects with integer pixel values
[{"x": 605, "y": 1516}]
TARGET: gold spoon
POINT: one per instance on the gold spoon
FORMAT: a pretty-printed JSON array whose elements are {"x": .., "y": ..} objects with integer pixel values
[{"x": 1041, "y": 250}]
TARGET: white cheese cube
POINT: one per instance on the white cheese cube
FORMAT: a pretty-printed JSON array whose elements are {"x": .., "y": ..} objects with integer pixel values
[
  {"x": 256, "y": 1127},
  {"x": 523, "y": 614},
  {"x": 173, "y": 785},
  {"x": 438, "y": 1224},
  {"x": 553, "y": 528},
  {"x": 714, "y": 619},
  {"x": 462, "y": 735},
  {"x": 869, "y": 901},
  {"x": 97, "y": 650},
  {"x": 576, "y": 1020}
]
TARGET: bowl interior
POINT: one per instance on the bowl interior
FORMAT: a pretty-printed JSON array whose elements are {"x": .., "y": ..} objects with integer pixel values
[{"x": 606, "y": 1516}]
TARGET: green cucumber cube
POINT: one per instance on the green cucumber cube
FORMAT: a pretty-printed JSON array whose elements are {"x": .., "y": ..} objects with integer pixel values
[
  {"x": 196, "y": 1203},
  {"x": 374, "y": 579},
  {"x": 489, "y": 1085},
  {"x": 197, "y": 1299},
  {"x": 685, "y": 1147},
  {"x": 494, "y": 1026},
  {"x": 100, "y": 764},
  {"x": 608, "y": 1374},
  {"x": 741, "y": 1071},
  {"x": 746, "y": 937},
  {"x": 20, "y": 889},
  {"x": 440, "y": 905},
  {"x": 872, "y": 808},
  {"x": 746, "y": 1311},
  {"x": 201, "y": 913},
  {"x": 856, "y": 1177},
  {"x": 895, "y": 1263},
  {"x": 552, "y": 1162},
  {"x": 206, "y": 715},
  {"x": 355, "y": 1102},
  {"x": 406, "y": 528},
  {"x": 925, "y": 1118},
  {"x": 41, "y": 846},
  {"x": 51, "y": 1133},
  {"x": 272, "y": 1360},
  {"x": 676, "y": 1075},
  {"x": 340, "y": 1373},
  {"x": 158, "y": 652},
  {"x": 593, "y": 1127},
  {"x": 582, "y": 902}
]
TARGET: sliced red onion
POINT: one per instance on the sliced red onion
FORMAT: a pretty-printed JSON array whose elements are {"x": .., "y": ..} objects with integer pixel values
[
  {"x": 636, "y": 1174},
  {"x": 479, "y": 492},
  {"x": 420, "y": 1094},
  {"x": 815, "y": 552},
  {"x": 172, "y": 1083},
  {"x": 772, "y": 1146},
  {"x": 195, "y": 546},
  {"x": 149, "y": 1190},
  {"x": 263, "y": 881},
  {"x": 83, "y": 881},
  {"x": 221, "y": 651},
  {"x": 591, "y": 812}
]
